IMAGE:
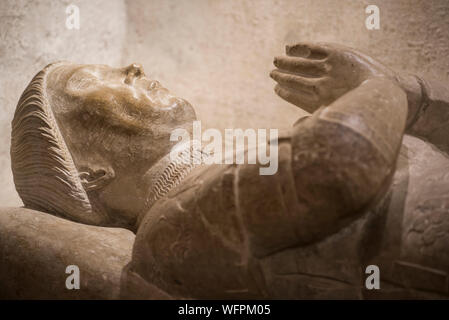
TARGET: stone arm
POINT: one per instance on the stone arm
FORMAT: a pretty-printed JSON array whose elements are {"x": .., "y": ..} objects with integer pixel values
[
  {"x": 343, "y": 156},
  {"x": 338, "y": 162}
]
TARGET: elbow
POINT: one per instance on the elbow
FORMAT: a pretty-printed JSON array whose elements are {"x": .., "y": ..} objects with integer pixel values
[{"x": 338, "y": 170}]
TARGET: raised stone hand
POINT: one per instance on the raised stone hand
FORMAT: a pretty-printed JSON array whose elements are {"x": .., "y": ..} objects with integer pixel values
[{"x": 316, "y": 74}]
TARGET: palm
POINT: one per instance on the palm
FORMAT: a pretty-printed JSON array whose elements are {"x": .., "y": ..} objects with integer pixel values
[{"x": 312, "y": 75}]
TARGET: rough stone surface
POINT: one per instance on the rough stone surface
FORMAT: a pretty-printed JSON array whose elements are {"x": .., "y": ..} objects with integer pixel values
[{"x": 36, "y": 248}]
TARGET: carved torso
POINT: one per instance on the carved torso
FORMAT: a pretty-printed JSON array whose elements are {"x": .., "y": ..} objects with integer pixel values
[{"x": 404, "y": 234}]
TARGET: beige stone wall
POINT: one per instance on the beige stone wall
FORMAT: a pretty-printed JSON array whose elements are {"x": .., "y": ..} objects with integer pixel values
[{"x": 217, "y": 54}]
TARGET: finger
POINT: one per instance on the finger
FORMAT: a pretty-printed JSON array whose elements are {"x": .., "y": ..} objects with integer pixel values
[
  {"x": 301, "y": 66},
  {"x": 293, "y": 81},
  {"x": 313, "y": 51},
  {"x": 307, "y": 101}
]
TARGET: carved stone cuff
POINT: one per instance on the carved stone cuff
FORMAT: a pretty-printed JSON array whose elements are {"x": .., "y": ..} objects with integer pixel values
[{"x": 423, "y": 104}]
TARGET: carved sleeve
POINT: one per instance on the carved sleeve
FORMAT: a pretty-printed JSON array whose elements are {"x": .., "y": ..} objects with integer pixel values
[{"x": 432, "y": 118}]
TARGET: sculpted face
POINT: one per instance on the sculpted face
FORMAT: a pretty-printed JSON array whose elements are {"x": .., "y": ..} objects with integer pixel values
[
  {"x": 117, "y": 124},
  {"x": 124, "y": 97}
]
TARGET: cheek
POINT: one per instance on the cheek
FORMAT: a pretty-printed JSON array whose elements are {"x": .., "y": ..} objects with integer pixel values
[
  {"x": 124, "y": 109},
  {"x": 131, "y": 103},
  {"x": 113, "y": 103}
]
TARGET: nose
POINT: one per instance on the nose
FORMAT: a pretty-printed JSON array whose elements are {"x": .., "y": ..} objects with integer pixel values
[{"x": 134, "y": 69}]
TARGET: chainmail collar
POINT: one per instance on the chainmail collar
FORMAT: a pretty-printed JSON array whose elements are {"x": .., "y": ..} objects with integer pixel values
[{"x": 188, "y": 157}]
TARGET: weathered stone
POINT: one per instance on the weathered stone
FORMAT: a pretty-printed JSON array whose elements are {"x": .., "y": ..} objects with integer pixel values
[{"x": 90, "y": 143}]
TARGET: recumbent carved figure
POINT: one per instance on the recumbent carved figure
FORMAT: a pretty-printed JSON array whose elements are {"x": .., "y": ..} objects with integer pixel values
[{"x": 363, "y": 180}]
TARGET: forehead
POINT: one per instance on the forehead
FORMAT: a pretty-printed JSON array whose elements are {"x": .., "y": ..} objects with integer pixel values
[
  {"x": 84, "y": 76},
  {"x": 98, "y": 71}
]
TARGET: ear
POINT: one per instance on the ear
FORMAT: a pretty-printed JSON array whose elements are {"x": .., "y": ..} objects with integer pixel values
[{"x": 96, "y": 179}]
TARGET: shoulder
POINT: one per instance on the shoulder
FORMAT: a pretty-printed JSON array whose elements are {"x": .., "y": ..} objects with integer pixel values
[
  {"x": 195, "y": 233},
  {"x": 210, "y": 226}
]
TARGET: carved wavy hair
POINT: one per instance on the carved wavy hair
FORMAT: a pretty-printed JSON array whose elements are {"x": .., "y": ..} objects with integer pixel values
[{"x": 44, "y": 173}]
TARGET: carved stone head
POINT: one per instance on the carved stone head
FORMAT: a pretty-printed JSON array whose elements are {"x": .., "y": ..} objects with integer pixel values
[{"x": 84, "y": 136}]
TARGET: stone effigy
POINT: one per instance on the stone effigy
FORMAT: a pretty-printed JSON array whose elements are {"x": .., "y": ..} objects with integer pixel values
[{"x": 362, "y": 181}]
